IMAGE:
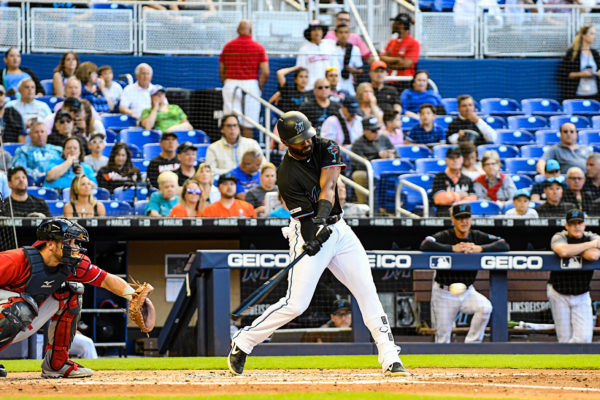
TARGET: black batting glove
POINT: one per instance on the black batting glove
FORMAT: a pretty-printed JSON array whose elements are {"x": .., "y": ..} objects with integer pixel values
[{"x": 312, "y": 247}]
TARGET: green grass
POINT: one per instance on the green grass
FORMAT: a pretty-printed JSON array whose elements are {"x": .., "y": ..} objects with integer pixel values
[
  {"x": 285, "y": 396},
  {"x": 567, "y": 361}
]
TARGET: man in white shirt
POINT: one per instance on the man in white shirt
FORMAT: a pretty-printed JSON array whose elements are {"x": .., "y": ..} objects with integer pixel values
[
  {"x": 348, "y": 57},
  {"x": 136, "y": 97},
  {"x": 29, "y": 108},
  {"x": 317, "y": 54},
  {"x": 332, "y": 127}
]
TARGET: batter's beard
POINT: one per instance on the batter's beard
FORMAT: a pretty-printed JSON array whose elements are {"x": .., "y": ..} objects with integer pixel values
[{"x": 304, "y": 153}]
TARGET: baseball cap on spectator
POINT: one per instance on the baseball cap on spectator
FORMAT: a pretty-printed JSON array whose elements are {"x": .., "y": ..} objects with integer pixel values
[
  {"x": 157, "y": 88},
  {"x": 228, "y": 176},
  {"x": 341, "y": 305},
  {"x": 378, "y": 64},
  {"x": 453, "y": 152},
  {"x": 167, "y": 135},
  {"x": 351, "y": 104},
  {"x": 460, "y": 210},
  {"x": 522, "y": 192},
  {"x": 552, "y": 165},
  {"x": 575, "y": 215},
  {"x": 72, "y": 103},
  {"x": 550, "y": 181},
  {"x": 371, "y": 124},
  {"x": 97, "y": 134},
  {"x": 402, "y": 18},
  {"x": 62, "y": 114},
  {"x": 185, "y": 146}
]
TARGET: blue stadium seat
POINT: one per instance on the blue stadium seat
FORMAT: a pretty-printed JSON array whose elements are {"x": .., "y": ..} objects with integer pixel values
[
  {"x": 385, "y": 174},
  {"x": 425, "y": 5},
  {"x": 140, "y": 207},
  {"x": 443, "y": 121},
  {"x": 596, "y": 122},
  {"x": 111, "y": 136},
  {"x": 44, "y": 193},
  {"x": 547, "y": 136},
  {"x": 110, "y": 6},
  {"x": 579, "y": 122},
  {"x": 99, "y": 193},
  {"x": 50, "y": 100},
  {"x": 543, "y": 107},
  {"x": 117, "y": 122},
  {"x": 520, "y": 166},
  {"x": 439, "y": 151},
  {"x": 430, "y": 165},
  {"x": 443, "y": 5},
  {"x": 141, "y": 164},
  {"x": 504, "y": 151},
  {"x": 581, "y": 107},
  {"x": 409, "y": 122},
  {"x": 390, "y": 166},
  {"x": 12, "y": 147},
  {"x": 201, "y": 153},
  {"x": 139, "y": 137},
  {"x": 195, "y": 136},
  {"x": 56, "y": 207},
  {"x": 483, "y": 208},
  {"x": 127, "y": 194},
  {"x": 412, "y": 198},
  {"x": 532, "y": 151},
  {"x": 530, "y": 123},
  {"x": 413, "y": 152},
  {"x": 151, "y": 150},
  {"x": 522, "y": 181},
  {"x": 500, "y": 106},
  {"x": 451, "y": 105},
  {"x": 107, "y": 149},
  {"x": 117, "y": 208},
  {"x": 495, "y": 121},
  {"x": 48, "y": 88},
  {"x": 507, "y": 136},
  {"x": 589, "y": 136}
]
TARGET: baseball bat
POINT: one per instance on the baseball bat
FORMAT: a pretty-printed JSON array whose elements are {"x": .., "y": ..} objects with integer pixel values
[{"x": 261, "y": 292}]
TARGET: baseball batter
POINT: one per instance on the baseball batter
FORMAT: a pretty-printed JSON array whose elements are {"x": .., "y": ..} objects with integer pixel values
[
  {"x": 45, "y": 282},
  {"x": 307, "y": 182}
]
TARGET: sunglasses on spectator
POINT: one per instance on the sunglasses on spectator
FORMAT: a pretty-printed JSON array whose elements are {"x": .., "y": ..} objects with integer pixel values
[
  {"x": 194, "y": 191},
  {"x": 64, "y": 120},
  {"x": 323, "y": 87}
]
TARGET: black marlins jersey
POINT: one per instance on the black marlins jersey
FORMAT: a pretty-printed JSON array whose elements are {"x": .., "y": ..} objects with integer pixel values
[{"x": 299, "y": 180}]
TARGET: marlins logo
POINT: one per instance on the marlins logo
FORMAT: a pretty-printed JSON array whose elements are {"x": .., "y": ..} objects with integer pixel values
[
  {"x": 440, "y": 262},
  {"x": 334, "y": 151}
]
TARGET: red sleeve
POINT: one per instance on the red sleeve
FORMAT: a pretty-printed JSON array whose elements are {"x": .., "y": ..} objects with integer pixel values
[
  {"x": 14, "y": 269},
  {"x": 413, "y": 51},
  {"x": 87, "y": 272},
  {"x": 388, "y": 46}
]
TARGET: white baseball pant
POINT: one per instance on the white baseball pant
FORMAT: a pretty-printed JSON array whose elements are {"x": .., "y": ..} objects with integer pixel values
[
  {"x": 232, "y": 99},
  {"x": 573, "y": 316},
  {"x": 346, "y": 258},
  {"x": 445, "y": 306},
  {"x": 83, "y": 347}
]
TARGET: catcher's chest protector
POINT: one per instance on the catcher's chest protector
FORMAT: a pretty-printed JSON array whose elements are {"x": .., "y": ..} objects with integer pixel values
[{"x": 43, "y": 280}]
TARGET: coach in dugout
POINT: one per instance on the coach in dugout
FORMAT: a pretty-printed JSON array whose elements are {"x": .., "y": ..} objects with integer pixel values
[
  {"x": 452, "y": 291},
  {"x": 569, "y": 291}
]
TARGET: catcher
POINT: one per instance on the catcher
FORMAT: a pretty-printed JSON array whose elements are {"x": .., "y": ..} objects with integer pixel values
[{"x": 45, "y": 282}]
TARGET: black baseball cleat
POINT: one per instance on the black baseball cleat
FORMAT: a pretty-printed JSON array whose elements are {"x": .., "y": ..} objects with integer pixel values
[
  {"x": 236, "y": 359},
  {"x": 396, "y": 369},
  {"x": 2, "y": 371}
]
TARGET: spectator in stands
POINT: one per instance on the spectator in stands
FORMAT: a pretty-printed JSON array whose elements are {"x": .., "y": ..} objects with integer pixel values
[
  {"x": 471, "y": 166},
  {"x": 387, "y": 96},
  {"x": 247, "y": 173},
  {"x": 451, "y": 186},
  {"x": 401, "y": 54},
  {"x": 348, "y": 58},
  {"x": 343, "y": 18},
  {"x": 29, "y": 108},
  {"x": 93, "y": 89},
  {"x": 23, "y": 204},
  {"x": 35, "y": 157},
  {"x": 551, "y": 170},
  {"x": 205, "y": 179},
  {"x": 351, "y": 210},
  {"x": 468, "y": 126},
  {"x": 418, "y": 94},
  {"x": 63, "y": 169},
  {"x": 344, "y": 127},
  {"x": 64, "y": 127},
  {"x": 445, "y": 305},
  {"x": 554, "y": 205},
  {"x": 291, "y": 97},
  {"x": 13, "y": 74},
  {"x": 11, "y": 123},
  {"x": 256, "y": 195},
  {"x": 316, "y": 55},
  {"x": 493, "y": 185},
  {"x": 136, "y": 97},
  {"x": 333, "y": 77},
  {"x": 119, "y": 171},
  {"x": 372, "y": 146},
  {"x": 580, "y": 67},
  {"x": 191, "y": 203},
  {"x": 161, "y": 202},
  {"x": 167, "y": 159},
  {"x": 368, "y": 102},
  {"x": 427, "y": 132},
  {"x": 82, "y": 202},
  {"x": 568, "y": 153},
  {"x": 163, "y": 116},
  {"x": 569, "y": 291},
  {"x": 575, "y": 194},
  {"x": 239, "y": 65},
  {"x": 114, "y": 89},
  {"x": 521, "y": 201},
  {"x": 592, "y": 176},
  {"x": 320, "y": 107},
  {"x": 5, "y": 162},
  {"x": 64, "y": 70},
  {"x": 96, "y": 159},
  {"x": 223, "y": 155},
  {"x": 73, "y": 88},
  {"x": 341, "y": 315},
  {"x": 5, "y": 190},
  {"x": 392, "y": 127},
  {"x": 280, "y": 212},
  {"x": 86, "y": 123},
  {"x": 186, "y": 155},
  {"x": 228, "y": 205}
]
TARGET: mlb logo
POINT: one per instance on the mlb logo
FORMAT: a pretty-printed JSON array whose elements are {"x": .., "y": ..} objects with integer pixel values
[
  {"x": 571, "y": 263},
  {"x": 440, "y": 262}
]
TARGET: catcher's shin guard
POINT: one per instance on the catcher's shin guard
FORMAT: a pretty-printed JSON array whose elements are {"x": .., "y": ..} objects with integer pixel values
[
  {"x": 16, "y": 314},
  {"x": 63, "y": 324}
]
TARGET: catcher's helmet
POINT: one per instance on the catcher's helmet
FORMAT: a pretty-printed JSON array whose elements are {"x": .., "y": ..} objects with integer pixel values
[
  {"x": 293, "y": 127},
  {"x": 64, "y": 230}
]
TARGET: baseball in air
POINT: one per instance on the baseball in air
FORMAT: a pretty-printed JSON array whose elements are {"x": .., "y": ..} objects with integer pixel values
[{"x": 457, "y": 288}]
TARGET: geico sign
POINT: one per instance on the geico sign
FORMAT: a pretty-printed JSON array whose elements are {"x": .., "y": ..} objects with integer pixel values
[
  {"x": 512, "y": 262},
  {"x": 389, "y": 261},
  {"x": 264, "y": 260}
]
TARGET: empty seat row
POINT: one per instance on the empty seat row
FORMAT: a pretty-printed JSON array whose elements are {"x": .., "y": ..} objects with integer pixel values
[
  {"x": 537, "y": 106},
  {"x": 114, "y": 208},
  {"x": 128, "y": 194}
]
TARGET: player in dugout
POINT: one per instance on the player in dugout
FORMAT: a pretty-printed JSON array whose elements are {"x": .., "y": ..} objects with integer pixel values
[
  {"x": 45, "y": 282},
  {"x": 452, "y": 291}
]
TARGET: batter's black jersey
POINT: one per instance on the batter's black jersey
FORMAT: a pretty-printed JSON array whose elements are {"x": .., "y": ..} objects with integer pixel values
[{"x": 299, "y": 180}]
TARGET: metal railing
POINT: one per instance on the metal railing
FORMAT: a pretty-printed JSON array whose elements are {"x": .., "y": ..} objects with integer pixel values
[{"x": 425, "y": 199}]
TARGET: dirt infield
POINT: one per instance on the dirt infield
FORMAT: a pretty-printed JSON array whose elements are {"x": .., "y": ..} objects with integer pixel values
[{"x": 478, "y": 383}]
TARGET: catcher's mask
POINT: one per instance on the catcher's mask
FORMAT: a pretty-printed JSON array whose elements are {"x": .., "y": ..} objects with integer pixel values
[{"x": 65, "y": 231}]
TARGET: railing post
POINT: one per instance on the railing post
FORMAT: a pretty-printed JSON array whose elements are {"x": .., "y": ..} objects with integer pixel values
[{"x": 267, "y": 137}]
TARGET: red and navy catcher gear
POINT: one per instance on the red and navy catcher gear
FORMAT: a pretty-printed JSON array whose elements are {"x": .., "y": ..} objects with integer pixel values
[
  {"x": 64, "y": 230},
  {"x": 293, "y": 127},
  {"x": 16, "y": 314}
]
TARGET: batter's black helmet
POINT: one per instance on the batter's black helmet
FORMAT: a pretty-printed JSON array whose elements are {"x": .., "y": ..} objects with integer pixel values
[{"x": 293, "y": 127}]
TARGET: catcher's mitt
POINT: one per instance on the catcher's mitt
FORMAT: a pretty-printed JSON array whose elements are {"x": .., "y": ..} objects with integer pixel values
[{"x": 141, "y": 309}]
